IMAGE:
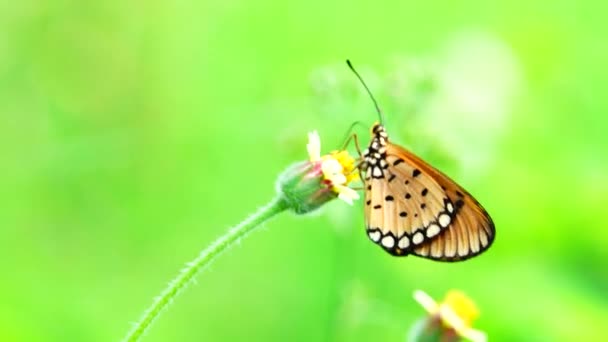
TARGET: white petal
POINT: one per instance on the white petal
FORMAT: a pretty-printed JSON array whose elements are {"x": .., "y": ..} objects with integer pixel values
[
  {"x": 474, "y": 335},
  {"x": 347, "y": 194},
  {"x": 451, "y": 319},
  {"x": 314, "y": 146},
  {"x": 331, "y": 167},
  {"x": 345, "y": 198},
  {"x": 426, "y": 301},
  {"x": 351, "y": 193},
  {"x": 337, "y": 179}
]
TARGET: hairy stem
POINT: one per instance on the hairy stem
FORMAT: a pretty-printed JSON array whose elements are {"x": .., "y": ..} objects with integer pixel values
[{"x": 201, "y": 261}]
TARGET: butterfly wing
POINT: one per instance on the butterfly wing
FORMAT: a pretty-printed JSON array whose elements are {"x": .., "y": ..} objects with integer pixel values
[{"x": 413, "y": 208}]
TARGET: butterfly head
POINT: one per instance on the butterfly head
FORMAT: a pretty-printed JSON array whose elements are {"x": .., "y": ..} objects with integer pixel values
[{"x": 378, "y": 129}]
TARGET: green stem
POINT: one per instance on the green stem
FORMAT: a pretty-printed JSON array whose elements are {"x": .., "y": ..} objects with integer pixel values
[{"x": 203, "y": 259}]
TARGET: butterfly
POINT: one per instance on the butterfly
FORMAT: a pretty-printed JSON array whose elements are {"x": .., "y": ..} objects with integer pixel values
[{"x": 413, "y": 208}]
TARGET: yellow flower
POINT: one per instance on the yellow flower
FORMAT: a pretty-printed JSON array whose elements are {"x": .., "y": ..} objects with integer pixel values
[
  {"x": 338, "y": 168},
  {"x": 307, "y": 185},
  {"x": 456, "y": 312}
]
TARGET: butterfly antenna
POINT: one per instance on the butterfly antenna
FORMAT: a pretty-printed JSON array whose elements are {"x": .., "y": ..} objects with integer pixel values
[{"x": 380, "y": 115}]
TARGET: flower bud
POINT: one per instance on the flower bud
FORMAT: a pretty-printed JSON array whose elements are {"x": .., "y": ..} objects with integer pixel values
[{"x": 303, "y": 188}]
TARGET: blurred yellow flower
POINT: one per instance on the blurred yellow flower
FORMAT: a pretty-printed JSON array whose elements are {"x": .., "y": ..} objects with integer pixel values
[{"x": 456, "y": 312}]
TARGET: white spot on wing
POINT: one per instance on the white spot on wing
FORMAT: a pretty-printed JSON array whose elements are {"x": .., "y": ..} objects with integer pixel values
[
  {"x": 404, "y": 242},
  {"x": 444, "y": 220},
  {"x": 450, "y": 207},
  {"x": 377, "y": 172},
  {"x": 374, "y": 235},
  {"x": 432, "y": 230},
  {"x": 388, "y": 241},
  {"x": 417, "y": 238}
]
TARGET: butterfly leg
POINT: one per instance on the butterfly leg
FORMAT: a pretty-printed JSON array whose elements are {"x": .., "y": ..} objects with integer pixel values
[
  {"x": 349, "y": 136},
  {"x": 361, "y": 163},
  {"x": 353, "y": 137}
]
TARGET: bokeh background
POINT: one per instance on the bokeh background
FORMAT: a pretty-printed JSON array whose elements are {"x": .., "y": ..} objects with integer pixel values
[{"x": 133, "y": 133}]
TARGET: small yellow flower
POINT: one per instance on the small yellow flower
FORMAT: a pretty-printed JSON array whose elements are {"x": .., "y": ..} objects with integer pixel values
[
  {"x": 457, "y": 312},
  {"x": 338, "y": 168},
  {"x": 307, "y": 185}
]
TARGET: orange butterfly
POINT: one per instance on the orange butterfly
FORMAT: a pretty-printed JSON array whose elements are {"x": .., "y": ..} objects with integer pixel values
[{"x": 413, "y": 208}]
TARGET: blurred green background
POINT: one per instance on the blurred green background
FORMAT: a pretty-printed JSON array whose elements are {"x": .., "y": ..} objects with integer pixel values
[{"x": 133, "y": 133}]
